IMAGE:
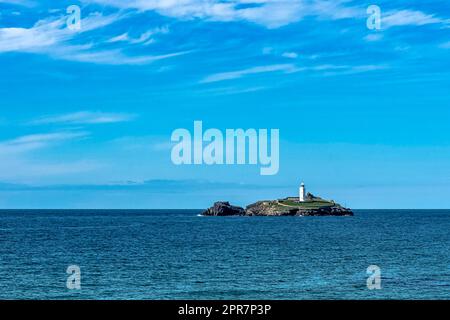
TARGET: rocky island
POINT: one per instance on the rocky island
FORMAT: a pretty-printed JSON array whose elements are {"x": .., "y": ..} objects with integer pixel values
[{"x": 304, "y": 205}]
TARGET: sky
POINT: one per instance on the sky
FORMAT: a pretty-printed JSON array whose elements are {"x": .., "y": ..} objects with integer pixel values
[{"x": 87, "y": 114}]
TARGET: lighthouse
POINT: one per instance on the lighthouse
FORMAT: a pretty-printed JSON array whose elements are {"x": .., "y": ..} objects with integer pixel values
[{"x": 302, "y": 193}]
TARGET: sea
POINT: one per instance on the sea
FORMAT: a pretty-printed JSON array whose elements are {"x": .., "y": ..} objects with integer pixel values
[{"x": 178, "y": 254}]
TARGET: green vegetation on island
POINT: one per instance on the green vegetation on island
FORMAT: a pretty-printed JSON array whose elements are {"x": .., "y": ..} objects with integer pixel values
[{"x": 309, "y": 204}]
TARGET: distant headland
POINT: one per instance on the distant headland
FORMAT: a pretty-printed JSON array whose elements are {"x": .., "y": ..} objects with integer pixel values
[{"x": 305, "y": 204}]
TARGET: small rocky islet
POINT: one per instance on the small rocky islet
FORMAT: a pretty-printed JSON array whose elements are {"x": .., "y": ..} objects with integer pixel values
[
  {"x": 273, "y": 208},
  {"x": 304, "y": 205}
]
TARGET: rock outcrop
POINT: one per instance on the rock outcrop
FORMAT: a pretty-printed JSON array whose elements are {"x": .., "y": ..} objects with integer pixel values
[{"x": 224, "y": 209}]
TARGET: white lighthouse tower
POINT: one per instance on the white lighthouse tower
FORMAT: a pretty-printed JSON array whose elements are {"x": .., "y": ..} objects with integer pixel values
[{"x": 302, "y": 193}]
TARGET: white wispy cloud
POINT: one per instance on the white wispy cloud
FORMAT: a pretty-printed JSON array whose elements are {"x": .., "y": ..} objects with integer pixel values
[
  {"x": 233, "y": 90},
  {"x": 327, "y": 69},
  {"x": 241, "y": 73},
  {"x": 46, "y": 34},
  {"x": 273, "y": 13},
  {"x": 26, "y": 3},
  {"x": 145, "y": 38},
  {"x": 37, "y": 141},
  {"x": 291, "y": 55},
  {"x": 20, "y": 161},
  {"x": 372, "y": 37},
  {"x": 85, "y": 117},
  {"x": 229, "y": 90},
  {"x": 52, "y": 37},
  {"x": 117, "y": 57},
  {"x": 349, "y": 70},
  {"x": 119, "y": 38},
  {"x": 334, "y": 9},
  {"x": 410, "y": 18},
  {"x": 269, "y": 13}
]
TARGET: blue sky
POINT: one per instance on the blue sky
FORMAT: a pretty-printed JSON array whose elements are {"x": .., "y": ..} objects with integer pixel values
[{"x": 86, "y": 116}]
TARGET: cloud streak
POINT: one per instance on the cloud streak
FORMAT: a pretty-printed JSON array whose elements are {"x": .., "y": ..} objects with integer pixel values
[
  {"x": 46, "y": 34},
  {"x": 269, "y": 13},
  {"x": 145, "y": 38},
  {"x": 52, "y": 37},
  {"x": 155, "y": 185},
  {"x": 245, "y": 72},
  {"x": 85, "y": 117},
  {"x": 37, "y": 141},
  {"x": 328, "y": 69},
  {"x": 398, "y": 18},
  {"x": 20, "y": 160}
]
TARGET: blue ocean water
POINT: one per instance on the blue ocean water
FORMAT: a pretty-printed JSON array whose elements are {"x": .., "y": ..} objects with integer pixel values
[{"x": 170, "y": 254}]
